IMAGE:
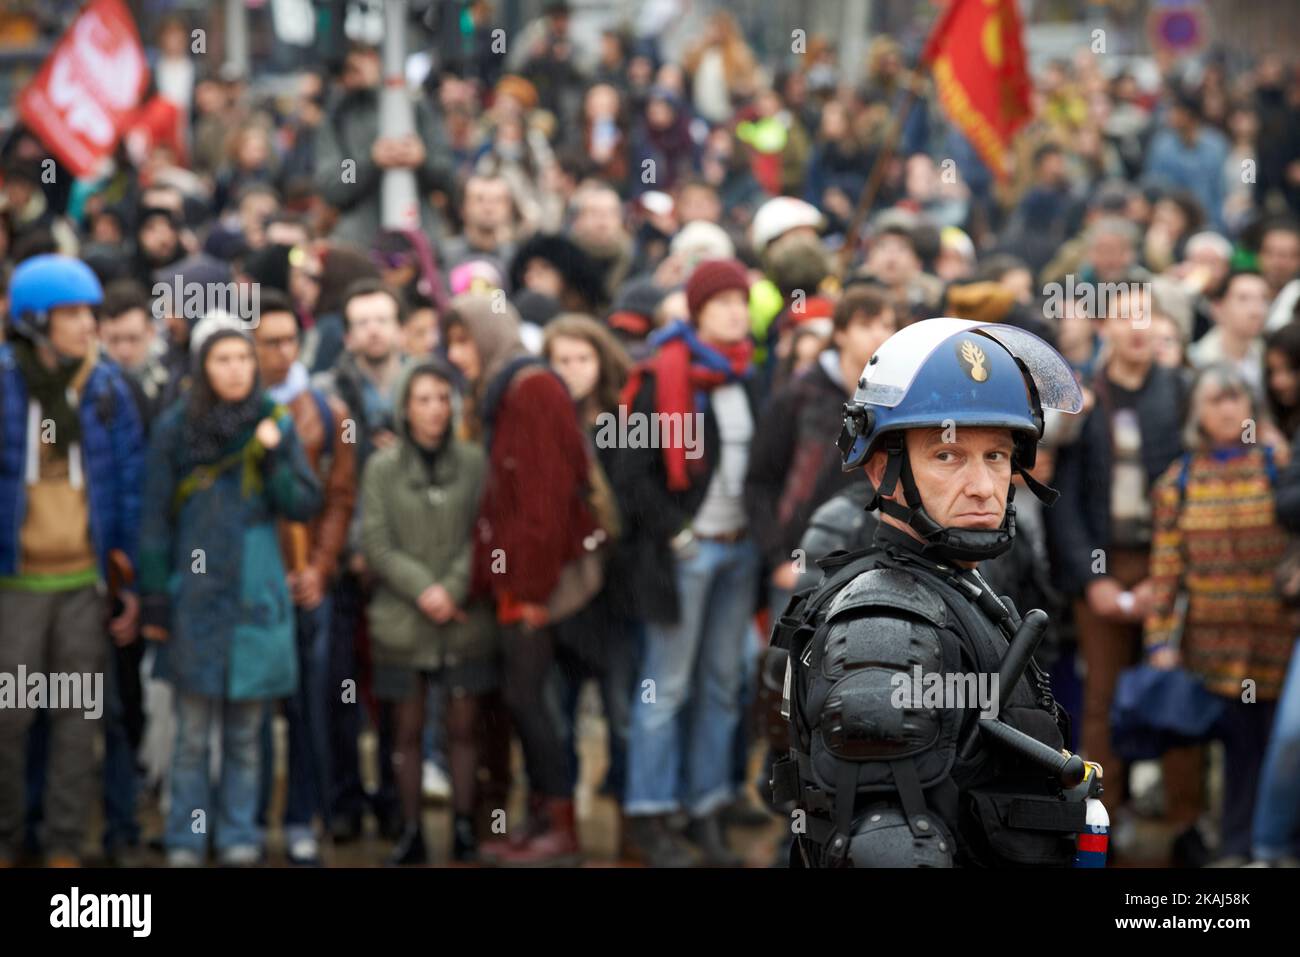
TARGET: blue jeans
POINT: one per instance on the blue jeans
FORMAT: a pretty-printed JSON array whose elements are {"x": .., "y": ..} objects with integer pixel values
[
  {"x": 1243, "y": 730},
  {"x": 229, "y": 809},
  {"x": 1276, "y": 826},
  {"x": 680, "y": 744},
  {"x": 601, "y": 644},
  {"x": 306, "y": 712},
  {"x": 347, "y": 797}
]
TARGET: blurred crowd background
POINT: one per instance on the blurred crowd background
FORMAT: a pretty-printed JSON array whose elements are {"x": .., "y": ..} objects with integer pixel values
[{"x": 380, "y": 577}]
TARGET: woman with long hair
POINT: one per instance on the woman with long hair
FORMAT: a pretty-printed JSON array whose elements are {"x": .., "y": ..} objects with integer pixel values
[
  {"x": 535, "y": 522},
  {"x": 1282, "y": 378},
  {"x": 602, "y": 640}
]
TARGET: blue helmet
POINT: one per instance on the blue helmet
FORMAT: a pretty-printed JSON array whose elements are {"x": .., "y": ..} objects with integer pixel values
[
  {"x": 45, "y": 282},
  {"x": 942, "y": 373}
]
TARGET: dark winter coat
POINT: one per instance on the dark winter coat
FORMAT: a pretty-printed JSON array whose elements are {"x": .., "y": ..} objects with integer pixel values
[{"x": 1079, "y": 524}]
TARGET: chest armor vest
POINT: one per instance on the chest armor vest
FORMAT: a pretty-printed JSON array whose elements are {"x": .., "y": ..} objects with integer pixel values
[{"x": 858, "y": 751}]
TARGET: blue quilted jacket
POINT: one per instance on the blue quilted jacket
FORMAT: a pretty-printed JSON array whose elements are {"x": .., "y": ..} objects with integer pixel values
[{"x": 113, "y": 453}]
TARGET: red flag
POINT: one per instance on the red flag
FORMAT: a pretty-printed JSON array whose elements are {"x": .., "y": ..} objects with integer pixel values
[
  {"x": 980, "y": 74},
  {"x": 79, "y": 102}
]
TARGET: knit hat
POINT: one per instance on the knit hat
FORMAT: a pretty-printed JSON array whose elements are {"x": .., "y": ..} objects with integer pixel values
[
  {"x": 712, "y": 277},
  {"x": 212, "y": 328}
]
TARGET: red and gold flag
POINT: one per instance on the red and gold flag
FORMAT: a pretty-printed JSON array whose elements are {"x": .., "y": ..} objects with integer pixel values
[{"x": 980, "y": 74}]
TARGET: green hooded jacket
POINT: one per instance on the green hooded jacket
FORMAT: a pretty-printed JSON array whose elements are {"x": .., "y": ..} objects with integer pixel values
[{"x": 416, "y": 531}]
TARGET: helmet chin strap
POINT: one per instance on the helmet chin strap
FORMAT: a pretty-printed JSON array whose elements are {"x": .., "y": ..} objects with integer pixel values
[
  {"x": 945, "y": 543},
  {"x": 41, "y": 340}
]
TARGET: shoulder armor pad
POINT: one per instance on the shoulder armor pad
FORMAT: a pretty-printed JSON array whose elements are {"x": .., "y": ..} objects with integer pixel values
[
  {"x": 889, "y": 588},
  {"x": 840, "y": 514}
]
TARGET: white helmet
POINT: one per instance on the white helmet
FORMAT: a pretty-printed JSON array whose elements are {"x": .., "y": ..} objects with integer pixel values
[
  {"x": 779, "y": 215},
  {"x": 700, "y": 240}
]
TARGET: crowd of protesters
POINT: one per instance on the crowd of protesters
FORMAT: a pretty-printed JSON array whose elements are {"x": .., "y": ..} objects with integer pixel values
[{"x": 408, "y": 499}]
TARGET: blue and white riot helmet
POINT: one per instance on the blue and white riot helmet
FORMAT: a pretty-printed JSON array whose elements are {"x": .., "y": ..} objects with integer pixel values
[{"x": 942, "y": 373}]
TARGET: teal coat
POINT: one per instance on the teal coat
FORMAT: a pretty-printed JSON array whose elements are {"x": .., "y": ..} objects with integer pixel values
[{"x": 211, "y": 563}]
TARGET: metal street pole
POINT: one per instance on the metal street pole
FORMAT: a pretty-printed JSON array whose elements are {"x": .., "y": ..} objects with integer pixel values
[
  {"x": 237, "y": 36},
  {"x": 853, "y": 39},
  {"x": 399, "y": 196}
]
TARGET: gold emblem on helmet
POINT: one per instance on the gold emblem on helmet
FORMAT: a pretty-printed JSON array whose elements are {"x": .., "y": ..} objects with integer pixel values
[{"x": 973, "y": 356}]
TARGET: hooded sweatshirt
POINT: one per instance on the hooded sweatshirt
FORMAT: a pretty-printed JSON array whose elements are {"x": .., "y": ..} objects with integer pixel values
[
  {"x": 534, "y": 517},
  {"x": 417, "y": 530}
]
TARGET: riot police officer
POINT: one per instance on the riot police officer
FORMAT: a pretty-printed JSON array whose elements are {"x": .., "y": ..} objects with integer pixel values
[{"x": 945, "y": 415}]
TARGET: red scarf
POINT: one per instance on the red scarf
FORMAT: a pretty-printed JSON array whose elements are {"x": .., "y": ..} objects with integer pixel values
[{"x": 677, "y": 379}]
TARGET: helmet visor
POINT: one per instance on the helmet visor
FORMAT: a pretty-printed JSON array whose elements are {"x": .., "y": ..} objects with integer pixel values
[{"x": 897, "y": 362}]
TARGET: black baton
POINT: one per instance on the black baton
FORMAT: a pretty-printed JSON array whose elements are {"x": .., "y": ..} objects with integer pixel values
[{"x": 1012, "y": 667}]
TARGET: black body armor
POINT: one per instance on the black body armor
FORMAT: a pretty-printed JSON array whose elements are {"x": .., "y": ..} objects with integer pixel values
[{"x": 872, "y": 783}]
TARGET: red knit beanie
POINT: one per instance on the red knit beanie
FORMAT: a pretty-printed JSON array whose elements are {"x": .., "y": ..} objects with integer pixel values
[{"x": 711, "y": 277}]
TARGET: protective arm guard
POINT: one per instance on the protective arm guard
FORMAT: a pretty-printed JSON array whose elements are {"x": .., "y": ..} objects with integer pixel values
[{"x": 870, "y": 757}]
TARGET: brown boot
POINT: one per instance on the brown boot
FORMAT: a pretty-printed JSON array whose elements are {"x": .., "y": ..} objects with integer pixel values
[
  {"x": 494, "y": 850},
  {"x": 556, "y": 847}
]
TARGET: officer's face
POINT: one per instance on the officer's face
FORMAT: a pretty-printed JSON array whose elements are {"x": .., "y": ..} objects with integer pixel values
[{"x": 963, "y": 481}]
